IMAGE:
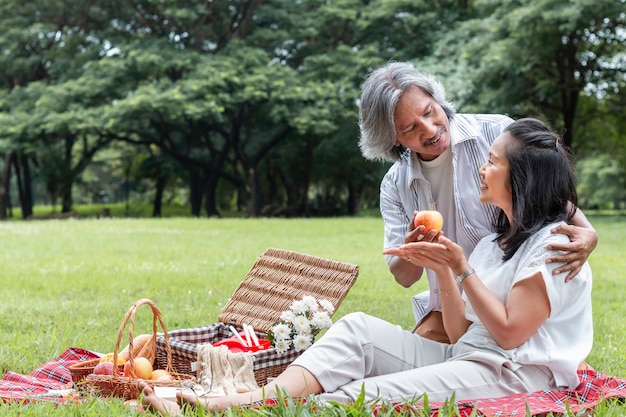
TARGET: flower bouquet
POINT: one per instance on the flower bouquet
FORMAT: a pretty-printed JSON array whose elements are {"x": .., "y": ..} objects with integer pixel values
[{"x": 299, "y": 325}]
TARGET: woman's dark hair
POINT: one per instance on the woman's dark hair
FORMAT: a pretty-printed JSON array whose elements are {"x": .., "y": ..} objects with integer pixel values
[{"x": 542, "y": 183}]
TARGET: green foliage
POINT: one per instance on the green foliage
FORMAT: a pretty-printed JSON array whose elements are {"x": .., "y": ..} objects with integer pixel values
[
  {"x": 606, "y": 171},
  {"x": 256, "y": 102},
  {"x": 537, "y": 57}
]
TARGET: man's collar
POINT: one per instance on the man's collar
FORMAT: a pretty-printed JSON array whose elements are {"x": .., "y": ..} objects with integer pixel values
[{"x": 462, "y": 129}]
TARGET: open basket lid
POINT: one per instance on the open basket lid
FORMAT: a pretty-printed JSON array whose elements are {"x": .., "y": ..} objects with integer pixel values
[{"x": 277, "y": 278}]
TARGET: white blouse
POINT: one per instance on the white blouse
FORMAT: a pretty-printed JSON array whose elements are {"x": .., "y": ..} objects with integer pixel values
[{"x": 564, "y": 340}]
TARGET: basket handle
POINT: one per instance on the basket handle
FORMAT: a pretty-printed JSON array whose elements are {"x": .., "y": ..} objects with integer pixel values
[{"x": 130, "y": 321}]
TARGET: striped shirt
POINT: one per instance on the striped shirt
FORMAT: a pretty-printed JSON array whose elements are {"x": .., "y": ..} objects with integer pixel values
[{"x": 405, "y": 189}]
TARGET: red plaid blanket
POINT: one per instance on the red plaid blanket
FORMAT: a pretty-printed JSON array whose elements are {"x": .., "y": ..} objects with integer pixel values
[
  {"x": 594, "y": 387},
  {"x": 45, "y": 382}
]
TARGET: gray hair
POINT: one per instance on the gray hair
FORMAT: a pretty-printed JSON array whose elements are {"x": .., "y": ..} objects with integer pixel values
[{"x": 380, "y": 94}]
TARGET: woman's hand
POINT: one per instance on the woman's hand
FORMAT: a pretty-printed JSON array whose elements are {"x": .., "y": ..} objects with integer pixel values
[{"x": 436, "y": 256}]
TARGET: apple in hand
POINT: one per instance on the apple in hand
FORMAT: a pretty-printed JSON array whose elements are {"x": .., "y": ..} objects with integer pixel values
[{"x": 430, "y": 219}]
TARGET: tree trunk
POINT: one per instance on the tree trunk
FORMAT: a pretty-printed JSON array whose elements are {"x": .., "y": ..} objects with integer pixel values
[
  {"x": 304, "y": 190},
  {"x": 18, "y": 177},
  {"x": 570, "y": 86},
  {"x": 569, "y": 115},
  {"x": 354, "y": 198},
  {"x": 5, "y": 182},
  {"x": 254, "y": 200},
  {"x": 243, "y": 196},
  {"x": 210, "y": 191},
  {"x": 158, "y": 197},
  {"x": 26, "y": 198},
  {"x": 195, "y": 193},
  {"x": 66, "y": 198}
]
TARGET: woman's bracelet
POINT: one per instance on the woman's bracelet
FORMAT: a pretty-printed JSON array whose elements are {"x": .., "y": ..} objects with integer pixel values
[{"x": 459, "y": 278}]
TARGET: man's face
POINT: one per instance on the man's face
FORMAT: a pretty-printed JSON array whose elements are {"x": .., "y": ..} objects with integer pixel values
[{"x": 421, "y": 124}]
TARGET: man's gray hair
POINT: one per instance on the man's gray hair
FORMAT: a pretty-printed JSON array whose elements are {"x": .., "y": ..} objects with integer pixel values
[{"x": 380, "y": 94}]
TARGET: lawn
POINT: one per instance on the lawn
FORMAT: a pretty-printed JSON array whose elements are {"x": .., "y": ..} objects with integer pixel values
[{"x": 70, "y": 282}]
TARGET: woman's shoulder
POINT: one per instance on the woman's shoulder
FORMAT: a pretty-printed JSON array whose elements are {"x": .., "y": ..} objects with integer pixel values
[
  {"x": 545, "y": 235},
  {"x": 535, "y": 250}
]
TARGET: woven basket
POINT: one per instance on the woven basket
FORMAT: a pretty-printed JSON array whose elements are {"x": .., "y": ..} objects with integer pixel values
[
  {"x": 277, "y": 278},
  {"x": 79, "y": 371},
  {"x": 117, "y": 385}
]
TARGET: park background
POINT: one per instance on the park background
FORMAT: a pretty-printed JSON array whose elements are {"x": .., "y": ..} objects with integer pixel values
[
  {"x": 250, "y": 107},
  {"x": 225, "y": 115}
]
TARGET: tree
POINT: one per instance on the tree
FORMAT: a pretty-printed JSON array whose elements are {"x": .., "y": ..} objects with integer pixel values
[
  {"x": 160, "y": 169},
  {"x": 257, "y": 100},
  {"x": 538, "y": 57},
  {"x": 48, "y": 43},
  {"x": 604, "y": 170}
]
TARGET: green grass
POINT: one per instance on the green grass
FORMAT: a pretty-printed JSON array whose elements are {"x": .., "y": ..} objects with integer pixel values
[
  {"x": 70, "y": 282},
  {"x": 136, "y": 209}
]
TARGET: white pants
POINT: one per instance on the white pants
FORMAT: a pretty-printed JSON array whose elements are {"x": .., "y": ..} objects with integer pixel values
[{"x": 361, "y": 351}]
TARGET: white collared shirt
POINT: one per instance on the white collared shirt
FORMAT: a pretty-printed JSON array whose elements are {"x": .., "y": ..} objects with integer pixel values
[{"x": 405, "y": 189}]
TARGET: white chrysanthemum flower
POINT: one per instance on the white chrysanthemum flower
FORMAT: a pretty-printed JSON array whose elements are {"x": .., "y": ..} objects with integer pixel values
[
  {"x": 287, "y": 316},
  {"x": 281, "y": 331},
  {"x": 327, "y": 306},
  {"x": 310, "y": 302},
  {"x": 302, "y": 325},
  {"x": 282, "y": 346},
  {"x": 302, "y": 342},
  {"x": 321, "y": 320},
  {"x": 306, "y": 330},
  {"x": 298, "y": 307}
]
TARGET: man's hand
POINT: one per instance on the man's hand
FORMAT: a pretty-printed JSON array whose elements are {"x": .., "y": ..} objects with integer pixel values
[
  {"x": 417, "y": 234},
  {"x": 583, "y": 241}
]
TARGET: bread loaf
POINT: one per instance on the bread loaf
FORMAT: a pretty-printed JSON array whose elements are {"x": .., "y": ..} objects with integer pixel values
[
  {"x": 144, "y": 346},
  {"x": 148, "y": 348}
]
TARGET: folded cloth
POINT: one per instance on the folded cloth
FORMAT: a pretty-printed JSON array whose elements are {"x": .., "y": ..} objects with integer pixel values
[{"x": 219, "y": 368}]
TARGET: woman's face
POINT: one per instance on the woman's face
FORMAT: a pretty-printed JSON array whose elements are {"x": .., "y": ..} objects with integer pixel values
[
  {"x": 421, "y": 124},
  {"x": 495, "y": 176}
]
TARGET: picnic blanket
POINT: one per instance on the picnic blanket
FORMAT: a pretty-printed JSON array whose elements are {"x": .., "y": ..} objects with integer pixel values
[
  {"x": 594, "y": 387},
  {"x": 49, "y": 381}
]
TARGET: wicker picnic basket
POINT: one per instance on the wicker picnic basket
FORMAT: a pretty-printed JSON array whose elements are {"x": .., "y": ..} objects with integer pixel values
[
  {"x": 276, "y": 279},
  {"x": 80, "y": 370},
  {"x": 118, "y": 385}
]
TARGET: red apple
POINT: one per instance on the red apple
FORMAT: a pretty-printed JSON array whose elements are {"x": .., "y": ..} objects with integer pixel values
[
  {"x": 103, "y": 368},
  {"x": 430, "y": 219}
]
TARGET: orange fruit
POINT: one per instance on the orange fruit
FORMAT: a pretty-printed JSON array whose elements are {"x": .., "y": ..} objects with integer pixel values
[
  {"x": 122, "y": 357},
  {"x": 160, "y": 374},
  {"x": 141, "y": 366}
]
